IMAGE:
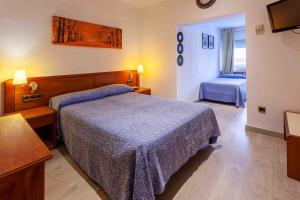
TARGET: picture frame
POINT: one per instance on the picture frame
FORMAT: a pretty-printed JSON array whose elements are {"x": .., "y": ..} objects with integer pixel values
[
  {"x": 205, "y": 41},
  {"x": 211, "y": 42},
  {"x": 66, "y": 31}
]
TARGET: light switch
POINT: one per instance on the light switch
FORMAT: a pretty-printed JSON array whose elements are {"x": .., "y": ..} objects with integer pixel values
[{"x": 260, "y": 29}]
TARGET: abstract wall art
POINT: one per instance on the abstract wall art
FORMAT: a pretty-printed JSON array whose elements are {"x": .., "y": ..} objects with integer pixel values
[{"x": 78, "y": 33}]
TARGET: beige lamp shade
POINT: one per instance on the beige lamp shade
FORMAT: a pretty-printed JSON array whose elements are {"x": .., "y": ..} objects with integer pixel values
[
  {"x": 140, "y": 69},
  {"x": 20, "y": 77}
]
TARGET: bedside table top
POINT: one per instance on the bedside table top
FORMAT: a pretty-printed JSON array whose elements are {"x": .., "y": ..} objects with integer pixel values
[
  {"x": 35, "y": 112},
  {"x": 20, "y": 147},
  {"x": 139, "y": 90}
]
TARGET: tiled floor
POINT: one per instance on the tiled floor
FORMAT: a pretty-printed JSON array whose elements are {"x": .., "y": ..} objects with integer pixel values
[{"x": 242, "y": 166}]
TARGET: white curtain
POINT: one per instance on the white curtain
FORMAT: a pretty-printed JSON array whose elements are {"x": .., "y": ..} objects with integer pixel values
[{"x": 227, "y": 51}]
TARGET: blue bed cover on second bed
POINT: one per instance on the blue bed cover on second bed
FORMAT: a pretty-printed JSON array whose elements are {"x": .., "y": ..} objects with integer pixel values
[{"x": 228, "y": 90}]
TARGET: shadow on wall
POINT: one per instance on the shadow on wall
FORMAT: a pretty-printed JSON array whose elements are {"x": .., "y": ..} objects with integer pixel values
[{"x": 291, "y": 40}]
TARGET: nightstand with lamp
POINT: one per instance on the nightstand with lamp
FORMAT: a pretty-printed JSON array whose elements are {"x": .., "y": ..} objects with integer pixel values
[
  {"x": 23, "y": 154},
  {"x": 147, "y": 91},
  {"x": 41, "y": 119}
]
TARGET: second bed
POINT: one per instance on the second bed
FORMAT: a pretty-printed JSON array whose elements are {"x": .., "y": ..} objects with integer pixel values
[{"x": 229, "y": 88}]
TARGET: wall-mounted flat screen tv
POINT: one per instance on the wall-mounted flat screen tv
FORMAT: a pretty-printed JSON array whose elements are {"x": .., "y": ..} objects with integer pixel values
[{"x": 284, "y": 15}]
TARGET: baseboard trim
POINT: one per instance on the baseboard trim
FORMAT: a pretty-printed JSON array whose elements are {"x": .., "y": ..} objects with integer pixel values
[{"x": 264, "y": 132}]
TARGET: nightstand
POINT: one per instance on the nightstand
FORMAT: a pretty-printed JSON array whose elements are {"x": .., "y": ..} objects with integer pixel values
[
  {"x": 146, "y": 91},
  {"x": 43, "y": 121}
]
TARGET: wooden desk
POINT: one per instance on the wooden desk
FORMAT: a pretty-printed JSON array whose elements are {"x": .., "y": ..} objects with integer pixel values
[
  {"x": 22, "y": 157},
  {"x": 292, "y": 136}
]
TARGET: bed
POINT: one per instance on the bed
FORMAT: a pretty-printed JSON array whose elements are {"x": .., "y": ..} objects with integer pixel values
[
  {"x": 230, "y": 88},
  {"x": 130, "y": 143}
]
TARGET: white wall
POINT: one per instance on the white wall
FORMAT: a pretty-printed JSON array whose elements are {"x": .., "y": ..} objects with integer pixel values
[
  {"x": 25, "y": 37},
  {"x": 239, "y": 33},
  {"x": 273, "y": 59},
  {"x": 199, "y": 64}
]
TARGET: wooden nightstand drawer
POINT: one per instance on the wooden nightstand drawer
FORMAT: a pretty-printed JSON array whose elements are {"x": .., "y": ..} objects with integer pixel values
[{"x": 40, "y": 121}]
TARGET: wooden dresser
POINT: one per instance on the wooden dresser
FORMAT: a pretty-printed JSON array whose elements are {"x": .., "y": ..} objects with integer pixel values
[
  {"x": 22, "y": 160},
  {"x": 292, "y": 136}
]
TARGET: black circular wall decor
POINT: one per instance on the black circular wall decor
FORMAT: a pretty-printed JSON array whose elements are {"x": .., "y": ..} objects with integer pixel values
[
  {"x": 180, "y": 60},
  {"x": 205, "y": 3},
  {"x": 180, "y": 37},
  {"x": 180, "y": 48}
]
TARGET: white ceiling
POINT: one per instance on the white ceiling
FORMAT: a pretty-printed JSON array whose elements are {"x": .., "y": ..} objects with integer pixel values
[{"x": 142, "y": 3}]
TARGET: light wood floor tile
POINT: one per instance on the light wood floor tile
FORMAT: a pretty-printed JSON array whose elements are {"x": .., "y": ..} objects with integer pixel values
[{"x": 242, "y": 166}]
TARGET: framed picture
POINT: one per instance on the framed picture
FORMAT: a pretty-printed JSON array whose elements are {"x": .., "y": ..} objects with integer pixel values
[
  {"x": 204, "y": 41},
  {"x": 67, "y": 31},
  {"x": 211, "y": 42}
]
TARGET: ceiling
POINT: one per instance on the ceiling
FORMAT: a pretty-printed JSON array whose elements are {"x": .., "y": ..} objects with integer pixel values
[{"x": 142, "y": 3}]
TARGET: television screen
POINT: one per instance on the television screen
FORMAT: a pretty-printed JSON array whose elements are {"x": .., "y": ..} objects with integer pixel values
[{"x": 284, "y": 15}]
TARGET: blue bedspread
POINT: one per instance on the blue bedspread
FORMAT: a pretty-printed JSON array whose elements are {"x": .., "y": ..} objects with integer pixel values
[
  {"x": 130, "y": 143},
  {"x": 228, "y": 90}
]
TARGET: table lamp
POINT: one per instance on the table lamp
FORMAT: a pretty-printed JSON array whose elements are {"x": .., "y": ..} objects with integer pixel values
[
  {"x": 140, "y": 71},
  {"x": 20, "y": 78}
]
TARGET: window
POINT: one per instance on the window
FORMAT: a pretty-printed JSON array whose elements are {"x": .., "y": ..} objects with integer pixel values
[{"x": 239, "y": 56}]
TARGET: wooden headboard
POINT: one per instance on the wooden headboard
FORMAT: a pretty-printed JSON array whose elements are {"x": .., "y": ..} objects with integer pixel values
[{"x": 51, "y": 86}]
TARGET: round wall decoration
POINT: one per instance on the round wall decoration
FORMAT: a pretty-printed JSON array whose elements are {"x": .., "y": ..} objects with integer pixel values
[
  {"x": 180, "y": 48},
  {"x": 205, "y": 3},
  {"x": 180, "y": 60},
  {"x": 180, "y": 37}
]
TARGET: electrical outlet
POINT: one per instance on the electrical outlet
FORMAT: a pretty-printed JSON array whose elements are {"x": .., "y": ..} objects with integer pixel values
[
  {"x": 262, "y": 109},
  {"x": 31, "y": 97},
  {"x": 260, "y": 29}
]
